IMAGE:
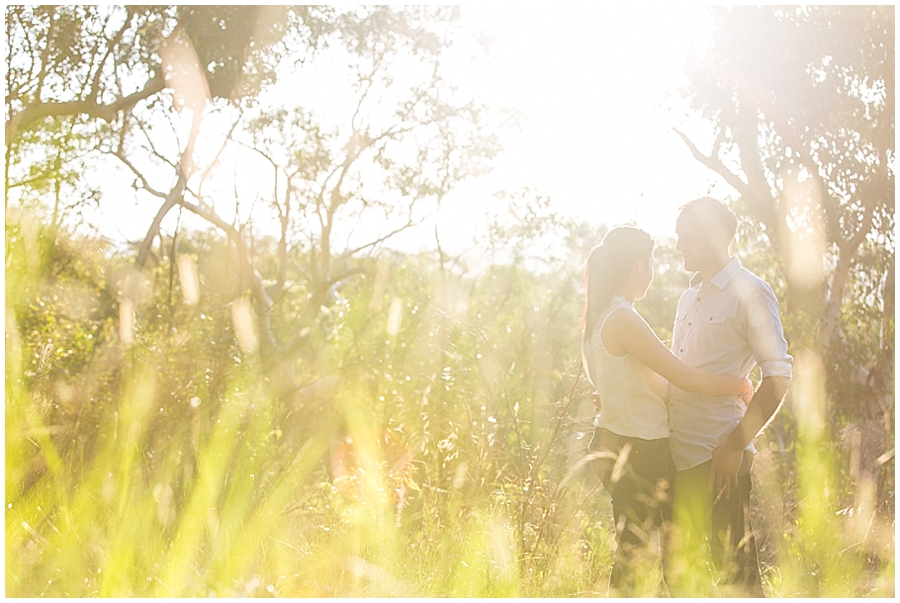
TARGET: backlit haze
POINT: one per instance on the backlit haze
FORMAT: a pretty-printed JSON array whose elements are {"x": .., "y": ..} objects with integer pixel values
[
  {"x": 592, "y": 82},
  {"x": 592, "y": 85}
]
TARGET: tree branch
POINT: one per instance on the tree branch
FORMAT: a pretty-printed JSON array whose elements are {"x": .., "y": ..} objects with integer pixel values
[
  {"x": 715, "y": 164},
  {"x": 95, "y": 83},
  {"x": 90, "y": 108},
  {"x": 171, "y": 199},
  {"x": 262, "y": 299},
  {"x": 409, "y": 224},
  {"x": 144, "y": 184}
]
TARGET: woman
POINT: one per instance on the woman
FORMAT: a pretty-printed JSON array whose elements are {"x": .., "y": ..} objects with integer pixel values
[{"x": 630, "y": 367}]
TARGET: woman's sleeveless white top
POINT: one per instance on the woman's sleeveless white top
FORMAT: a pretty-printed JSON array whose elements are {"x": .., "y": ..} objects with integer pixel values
[{"x": 627, "y": 406}]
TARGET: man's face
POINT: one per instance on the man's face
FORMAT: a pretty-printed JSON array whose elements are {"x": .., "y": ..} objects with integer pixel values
[{"x": 694, "y": 243}]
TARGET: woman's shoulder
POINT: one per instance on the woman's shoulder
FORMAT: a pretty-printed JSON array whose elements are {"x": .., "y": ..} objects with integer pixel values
[
  {"x": 617, "y": 324},
  {"x": 620, "y": 308},
  {"x": 613, "y": 307},
  {"x": 623, "y": 322}
]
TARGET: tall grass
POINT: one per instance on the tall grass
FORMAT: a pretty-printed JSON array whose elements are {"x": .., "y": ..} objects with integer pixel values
[
  {"x": 836, "y": 543},
  {"x": 440, "y": 466}
]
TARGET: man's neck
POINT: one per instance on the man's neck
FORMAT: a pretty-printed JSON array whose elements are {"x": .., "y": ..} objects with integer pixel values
[{"x": 714, "y": 268}]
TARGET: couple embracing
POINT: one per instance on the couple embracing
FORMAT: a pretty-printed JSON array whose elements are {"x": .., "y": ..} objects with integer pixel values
[{"x": 674, "y": 432}]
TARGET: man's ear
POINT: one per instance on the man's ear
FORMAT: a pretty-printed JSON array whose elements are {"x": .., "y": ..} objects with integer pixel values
[{"x": 718, "y": 238}]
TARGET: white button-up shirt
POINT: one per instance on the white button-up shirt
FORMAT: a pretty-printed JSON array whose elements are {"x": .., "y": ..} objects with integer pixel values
[{"x": 727, "y": 325}]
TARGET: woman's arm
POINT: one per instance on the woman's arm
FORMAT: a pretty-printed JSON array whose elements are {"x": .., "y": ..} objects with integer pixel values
[{"x": 628, "y": 332}]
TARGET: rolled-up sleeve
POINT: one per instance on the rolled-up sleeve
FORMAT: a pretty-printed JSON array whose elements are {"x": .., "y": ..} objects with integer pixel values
[{"x": 765, "y": 333}]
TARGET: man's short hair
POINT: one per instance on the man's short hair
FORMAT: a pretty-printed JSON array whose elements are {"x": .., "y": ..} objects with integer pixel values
[{"x": 712, "y": 213}]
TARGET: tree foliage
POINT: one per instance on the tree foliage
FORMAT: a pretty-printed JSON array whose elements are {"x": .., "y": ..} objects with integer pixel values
[
  {"x": 800, "y": 101},
  {"x": 101, "y": 61},
  {"x": 407, "y": 142},
  {"x": 77, "y": 73}
]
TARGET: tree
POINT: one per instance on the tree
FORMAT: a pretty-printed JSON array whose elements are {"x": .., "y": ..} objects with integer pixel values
[
  {"x": 407, "y": 143},
  {"x": 76, "y": 73},
  {"x": 98, "y": 62},
  {"x": 801, "y": 104}
]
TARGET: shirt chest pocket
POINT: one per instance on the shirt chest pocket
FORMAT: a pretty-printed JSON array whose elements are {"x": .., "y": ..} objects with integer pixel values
[{"x": 711, "y": 331}]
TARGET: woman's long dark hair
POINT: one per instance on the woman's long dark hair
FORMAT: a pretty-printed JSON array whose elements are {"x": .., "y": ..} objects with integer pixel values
[{"x": 608, "y": 265}]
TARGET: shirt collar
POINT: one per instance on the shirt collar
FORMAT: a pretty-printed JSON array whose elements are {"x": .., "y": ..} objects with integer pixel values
[{"x": 723, "y": 277}]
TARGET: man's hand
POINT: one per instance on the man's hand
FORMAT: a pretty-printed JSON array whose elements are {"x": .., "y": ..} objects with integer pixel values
[
  {"x": 725, "y": 462},
  {"x": 723, "y": 473}
]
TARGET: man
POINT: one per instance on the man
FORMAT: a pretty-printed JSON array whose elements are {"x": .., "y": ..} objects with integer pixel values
[{"x": 727, "y": 322}]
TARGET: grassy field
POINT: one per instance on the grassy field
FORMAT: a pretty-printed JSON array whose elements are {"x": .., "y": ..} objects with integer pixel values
[
  {"x": 256, "y": 521},
  {"x": 423, "y": 470}
]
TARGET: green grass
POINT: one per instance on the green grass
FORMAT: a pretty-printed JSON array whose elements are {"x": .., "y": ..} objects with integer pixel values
[
  {"x": 113, "y": 528},
  {"x": 445, "y": 491}
]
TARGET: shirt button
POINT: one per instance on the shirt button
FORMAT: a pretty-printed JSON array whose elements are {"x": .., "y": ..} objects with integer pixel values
[{"x": 690, "y": 323}]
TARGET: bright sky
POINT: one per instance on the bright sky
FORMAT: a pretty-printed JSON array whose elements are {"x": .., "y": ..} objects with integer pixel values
[{"x": 592, "y": 81}]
